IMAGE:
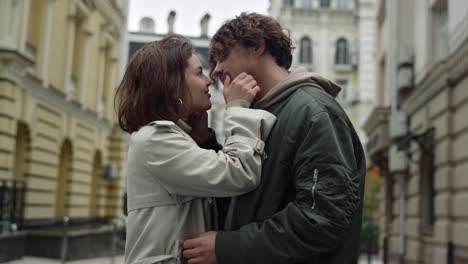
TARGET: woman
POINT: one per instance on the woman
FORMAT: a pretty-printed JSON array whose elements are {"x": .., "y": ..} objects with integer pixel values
[{"x": 162, "y": 101}]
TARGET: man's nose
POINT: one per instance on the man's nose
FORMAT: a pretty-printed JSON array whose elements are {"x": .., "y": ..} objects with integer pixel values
[{"x": 217, "y": 70}]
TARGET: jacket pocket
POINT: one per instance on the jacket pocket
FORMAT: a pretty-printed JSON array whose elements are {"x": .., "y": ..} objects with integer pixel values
[
  {"x": 329, "y": 190},
  {"x": 314, "y": 185}
]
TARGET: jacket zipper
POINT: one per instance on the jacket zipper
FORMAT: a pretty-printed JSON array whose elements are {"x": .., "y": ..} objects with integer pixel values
[{"x": 315, "y": 179}]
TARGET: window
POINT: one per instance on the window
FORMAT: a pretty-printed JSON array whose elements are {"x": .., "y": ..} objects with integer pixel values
[
  {"x": 342, "y": 51},
  {"x": 305, "y": 52},
  {"x": 306, "y": 3},
  {"x": 440, "y": 36},
  {"x": 426, "y": 166},
  {"x": 325, "y": 3},
  {"x": 344, "y": 87},
  {"x": 342, "y": 4},
  {"x": 288, "y": 3},
  {"x": 147, "y": 25}
]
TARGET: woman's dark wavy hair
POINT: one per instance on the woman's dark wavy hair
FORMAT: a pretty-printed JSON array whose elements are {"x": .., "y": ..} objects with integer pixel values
[
  {"x": 154, "y": 84},
  {"x": 249, "y": 30}
]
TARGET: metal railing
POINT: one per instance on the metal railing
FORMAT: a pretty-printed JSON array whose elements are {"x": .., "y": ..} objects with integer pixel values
[
  {"x": 116, "y": 238},
  {"x": 11, "y": 204},
  {"x": 459, "y": 34}
]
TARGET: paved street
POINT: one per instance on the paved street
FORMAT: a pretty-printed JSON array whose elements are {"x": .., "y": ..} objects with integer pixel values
[
  {"x": 120, "y": 260},
  {"x": 374, "y": 260},
  {"x": 33, "y": 260}
]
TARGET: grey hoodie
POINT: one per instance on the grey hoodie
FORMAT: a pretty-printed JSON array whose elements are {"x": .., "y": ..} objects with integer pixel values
[{"x": 296, "y": 79}]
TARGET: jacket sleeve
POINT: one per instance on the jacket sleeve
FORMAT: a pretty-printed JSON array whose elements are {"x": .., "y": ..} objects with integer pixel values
[
  {"x": 183, "y": 168},
  {"x": 320, "y": 216},
  {"x": 211, "y": 143}
]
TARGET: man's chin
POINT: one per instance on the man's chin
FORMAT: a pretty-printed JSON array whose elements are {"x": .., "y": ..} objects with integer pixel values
[{"x": 208, "y": 107}]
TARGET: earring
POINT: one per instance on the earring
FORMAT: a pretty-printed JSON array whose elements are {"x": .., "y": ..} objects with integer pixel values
[{"x": 180, "y": 100}]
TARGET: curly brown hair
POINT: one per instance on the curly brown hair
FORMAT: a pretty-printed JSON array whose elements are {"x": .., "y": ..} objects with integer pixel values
[
  {"x": 153, "y": 83},
  {"x": 249, "y": 30}
]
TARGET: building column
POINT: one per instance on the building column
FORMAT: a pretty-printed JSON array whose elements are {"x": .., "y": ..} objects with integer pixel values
[
  {"x": 23, "y": 33},
  {"x": 113, "y": 75},
  {"x": 324, "y": 45},
  {"x": 99, "y": 106},
  {"x": 84, "y": 69},
  {"x": 5, "y": 17},
  {"x": 44, "y": 45},
  {"x": 67, "y": 85}
]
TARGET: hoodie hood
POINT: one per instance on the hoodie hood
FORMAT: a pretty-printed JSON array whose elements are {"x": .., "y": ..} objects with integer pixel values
[{"x": 295, "y": 80}]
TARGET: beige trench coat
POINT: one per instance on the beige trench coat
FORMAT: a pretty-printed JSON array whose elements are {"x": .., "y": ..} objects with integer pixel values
[{"x": 169, "y": 179}]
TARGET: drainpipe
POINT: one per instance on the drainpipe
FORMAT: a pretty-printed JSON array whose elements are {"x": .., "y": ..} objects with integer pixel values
[{"x": 393, "y": 82}]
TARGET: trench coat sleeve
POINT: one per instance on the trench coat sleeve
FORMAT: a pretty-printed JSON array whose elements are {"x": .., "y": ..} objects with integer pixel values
[{"x": 184, "y": 168}]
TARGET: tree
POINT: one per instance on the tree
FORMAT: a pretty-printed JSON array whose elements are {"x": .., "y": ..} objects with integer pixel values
[{"x": 370, "y": 230}]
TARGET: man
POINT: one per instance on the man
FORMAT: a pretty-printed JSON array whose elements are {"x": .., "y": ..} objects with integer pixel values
[{"x": 308, "y": 206}]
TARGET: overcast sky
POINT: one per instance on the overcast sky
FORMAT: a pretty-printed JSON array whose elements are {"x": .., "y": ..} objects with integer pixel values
[{"x": 189, "y": 13}]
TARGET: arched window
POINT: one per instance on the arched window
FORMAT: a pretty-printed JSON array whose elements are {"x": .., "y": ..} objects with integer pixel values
[
  {"x": 288, "y": 3},
  {"x": 62, "y": 190},
  {"x": 305, "y": 52},
  {"x": 14, "y": 194},
  {"x": 147, "y": 25},
  {"x": 96, "y": 181},
  {"x": 342, "y": 51},
  {"x": 325, "y": 3}
]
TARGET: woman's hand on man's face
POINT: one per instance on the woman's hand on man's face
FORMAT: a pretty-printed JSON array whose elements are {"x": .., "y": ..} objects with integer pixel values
[
  {"x": 199, "y": 123},
  {"x": 243, "y": 87}
]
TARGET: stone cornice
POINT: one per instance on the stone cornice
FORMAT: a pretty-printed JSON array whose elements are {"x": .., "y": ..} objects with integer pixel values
[
  {"x": 111, "y": 13},
  {"x": 13, "y": 65},
  {"x": 310, "y": 12},
  {"x": 318, "y": 17},
  {"x": 446, "y": 73},
  {"x": 10, "y": 54},
  {"x": 378, "y": 115},
  {"x": 14, "y": 68},
  {"x": 146, "y": 38},
  {"x": 58, "y": 100}
]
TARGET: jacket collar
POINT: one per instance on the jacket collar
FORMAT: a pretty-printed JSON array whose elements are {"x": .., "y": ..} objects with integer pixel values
[{"x": 182, "y": 124}]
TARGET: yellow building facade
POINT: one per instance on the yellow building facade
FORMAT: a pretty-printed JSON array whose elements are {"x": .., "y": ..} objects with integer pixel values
[{"x": 60, "y": 64}]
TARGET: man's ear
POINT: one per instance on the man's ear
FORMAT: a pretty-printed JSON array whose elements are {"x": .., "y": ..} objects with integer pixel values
[{"x": 259, "y": 49}]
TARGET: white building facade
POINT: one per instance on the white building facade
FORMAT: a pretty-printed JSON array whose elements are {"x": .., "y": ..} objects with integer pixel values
[
  {"x": 335, "y": 38},
  {"x": 418, "y": 131}
]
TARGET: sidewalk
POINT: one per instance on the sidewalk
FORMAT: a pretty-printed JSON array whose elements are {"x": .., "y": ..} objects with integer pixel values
[
  {"x": 120, "y": 260},
  {"x": 33, "y": 260},
  {"x": 374, "y": 260}
]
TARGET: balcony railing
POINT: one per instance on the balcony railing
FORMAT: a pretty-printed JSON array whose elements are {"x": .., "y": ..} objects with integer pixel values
[
  {"x": 459, "y": 34},
  {"x": 11, "y": 203}
]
